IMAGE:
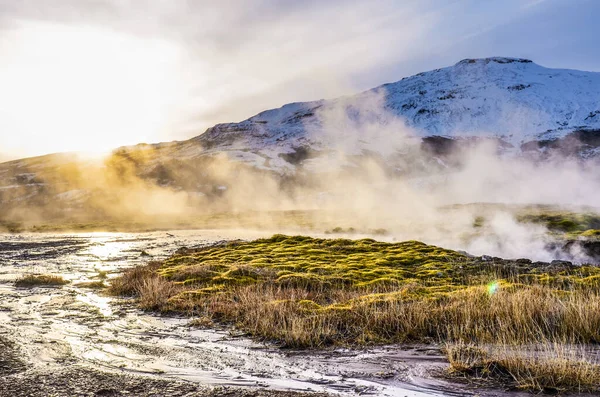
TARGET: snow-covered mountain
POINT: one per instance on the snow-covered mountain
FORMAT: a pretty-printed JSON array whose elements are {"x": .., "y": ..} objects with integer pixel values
[{"x": 512, "y": 99}]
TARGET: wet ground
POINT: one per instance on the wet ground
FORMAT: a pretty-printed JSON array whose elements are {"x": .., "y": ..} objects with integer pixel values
[{"x": 73, "y": 340}]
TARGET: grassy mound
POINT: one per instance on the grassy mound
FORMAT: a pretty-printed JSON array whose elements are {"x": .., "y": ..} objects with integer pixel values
[
  {"x": 308, "y": 292},
  {"x": 572, "y": 223},
  {"x": 315, "y": 264}
]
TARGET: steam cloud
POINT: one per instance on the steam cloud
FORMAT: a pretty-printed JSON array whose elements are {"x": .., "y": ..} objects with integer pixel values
[{"x": 371, "y": 172}]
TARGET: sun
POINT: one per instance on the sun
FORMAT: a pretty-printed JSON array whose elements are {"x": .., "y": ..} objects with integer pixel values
[{"x": 68, "y": 88}]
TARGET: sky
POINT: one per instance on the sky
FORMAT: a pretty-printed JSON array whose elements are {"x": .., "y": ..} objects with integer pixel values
[{"x": 93, "y": 75}]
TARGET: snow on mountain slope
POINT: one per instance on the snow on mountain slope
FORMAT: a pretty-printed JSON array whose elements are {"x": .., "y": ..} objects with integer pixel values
[
  {"x": 511, "y": 99},
  {"x": 505, "y": 97}
]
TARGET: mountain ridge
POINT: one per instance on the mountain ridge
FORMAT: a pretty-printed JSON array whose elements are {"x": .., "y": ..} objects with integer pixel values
[
  {"x": 440, "y": 102},
  {"x": 513, "y": 99}
]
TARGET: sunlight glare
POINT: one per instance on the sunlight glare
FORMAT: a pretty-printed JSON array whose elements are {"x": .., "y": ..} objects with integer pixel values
[{"x": 68, "y": 88}]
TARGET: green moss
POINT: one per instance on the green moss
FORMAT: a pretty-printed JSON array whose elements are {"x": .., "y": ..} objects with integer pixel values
[
  {"x": 563, "y": 222},
  {"x": 591, "y": 233},
  {"x": 308, "y": 305},
  {"x": 309, "y": 292},
  {"x": 317, "y": 264}
]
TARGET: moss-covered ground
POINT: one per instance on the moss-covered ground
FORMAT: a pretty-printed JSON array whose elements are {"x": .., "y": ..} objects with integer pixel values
[
  {"x": 317, "y": 264},
  {"x": 310, "y": 292},
  {"x": 573, "y": 224}
]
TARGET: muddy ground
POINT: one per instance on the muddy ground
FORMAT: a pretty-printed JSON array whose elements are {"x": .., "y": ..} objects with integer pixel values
[
  {"x": 78, "y": 381},
  {"x": 74, "y": 341}
]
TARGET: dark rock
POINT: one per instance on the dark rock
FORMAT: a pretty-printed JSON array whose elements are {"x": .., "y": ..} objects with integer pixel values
[
  {"x": 561, "y": 263},
  {"x": 439, "y": 145},
  {"x": 523, "y": 261},
  {"x": 299, "y": 155},
  {"x": 591, "y": 248},
  {"x": 540, "y": 264}
]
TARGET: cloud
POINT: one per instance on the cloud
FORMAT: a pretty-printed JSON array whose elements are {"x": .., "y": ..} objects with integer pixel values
[{"x": 235, "y": 59}]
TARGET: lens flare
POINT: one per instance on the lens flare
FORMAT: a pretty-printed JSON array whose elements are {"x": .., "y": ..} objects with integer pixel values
[{"x": 492, "y": 287}]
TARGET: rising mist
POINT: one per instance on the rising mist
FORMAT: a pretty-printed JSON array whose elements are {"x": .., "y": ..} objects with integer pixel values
[{"x": 366, "y": 173}]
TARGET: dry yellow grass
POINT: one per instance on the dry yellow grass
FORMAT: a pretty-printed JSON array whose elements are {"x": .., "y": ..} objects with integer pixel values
[
  {"x": 40, "y": 280},
  {"x": 548, "y": 367},
  {"x": 301, "y": 318},
  {"x": 314, "y": 293},
  {"x": 297, "y": 317},
  {"x": 131, "y": 281},
  {"x": 153, "y": 291},
  {"x": 91, "y": 284}
]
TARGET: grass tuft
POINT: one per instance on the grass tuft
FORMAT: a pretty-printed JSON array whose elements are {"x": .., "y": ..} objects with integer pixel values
[
  {"x": 143, "y": 282},
  {"x": 547, "y": 368},
  {"x": 40, "y": 280},
  {"x": 132, "y": 280},
  {"x": 92, "y": 284}
]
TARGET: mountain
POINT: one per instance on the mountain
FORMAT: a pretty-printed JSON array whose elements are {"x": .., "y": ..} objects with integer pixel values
[
  {"x": 525, "y": 105},
  {"x": 417, "y": 126}
]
